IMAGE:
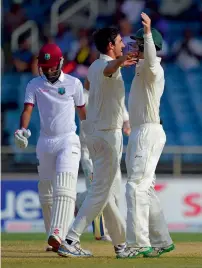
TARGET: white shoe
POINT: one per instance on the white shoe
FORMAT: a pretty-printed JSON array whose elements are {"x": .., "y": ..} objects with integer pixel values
[
  {"x": 54, "y": 241},
  {"x": 73, "y": 250},
  {"x": 132, "y": 252},
  {"x": 106, "y": 238}
]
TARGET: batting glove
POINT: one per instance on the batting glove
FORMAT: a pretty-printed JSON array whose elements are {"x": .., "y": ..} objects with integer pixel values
[{"x": 21, "y": 137}]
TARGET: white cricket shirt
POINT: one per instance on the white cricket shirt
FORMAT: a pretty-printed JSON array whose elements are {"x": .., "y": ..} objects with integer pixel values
[
  {"x": 147, "y": 87},
  {"x": 106, "y": 96},
  {"x": 56, "y": 103}
]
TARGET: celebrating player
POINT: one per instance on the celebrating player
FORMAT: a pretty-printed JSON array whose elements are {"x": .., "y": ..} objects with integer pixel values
[
  {"x": 104, "y": 140},
  {"x": 58, "y": 149},
  {"x": 99, "y": 229},
  {"x": 147, "y": 231}
]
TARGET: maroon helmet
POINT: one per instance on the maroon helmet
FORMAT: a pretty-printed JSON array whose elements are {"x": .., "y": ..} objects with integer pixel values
[{"x": 50, "y": 55}]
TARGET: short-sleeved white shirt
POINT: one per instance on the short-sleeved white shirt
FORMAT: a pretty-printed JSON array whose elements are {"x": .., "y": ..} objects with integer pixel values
[
  {"x": 106, "y": 96},
  {"x": 56, "y": 103}
]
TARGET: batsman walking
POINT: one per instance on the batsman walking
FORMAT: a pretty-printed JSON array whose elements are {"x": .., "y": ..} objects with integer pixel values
[{"x": 58, "y": 148}]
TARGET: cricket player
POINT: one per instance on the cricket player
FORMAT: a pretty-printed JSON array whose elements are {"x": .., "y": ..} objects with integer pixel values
[
  {"x": 99, "y": 229},
  {"x": 147, "y": 232},
  {"x": 103, "y": 128},
  {"x": 58, "y": 149}
]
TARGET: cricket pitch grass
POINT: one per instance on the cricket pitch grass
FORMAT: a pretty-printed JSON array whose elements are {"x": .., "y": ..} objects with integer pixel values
[{"x": 28, "y": 250}]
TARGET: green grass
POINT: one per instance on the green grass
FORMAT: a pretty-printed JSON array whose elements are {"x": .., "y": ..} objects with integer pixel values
[
  {"x": 177, "y": 237},
  {"x": 27, "y": 250}
]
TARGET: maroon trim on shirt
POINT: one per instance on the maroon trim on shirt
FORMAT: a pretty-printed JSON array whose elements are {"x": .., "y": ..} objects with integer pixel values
[
  {"x": 81, "y": 106},
  {"x": 28, "y": 103}
]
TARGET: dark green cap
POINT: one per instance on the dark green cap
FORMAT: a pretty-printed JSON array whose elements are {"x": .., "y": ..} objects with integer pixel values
[{"x": 157, "y": 37}]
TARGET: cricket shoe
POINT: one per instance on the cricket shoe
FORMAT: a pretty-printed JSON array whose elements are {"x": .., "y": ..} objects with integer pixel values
[
  {"x": 50, "y": 249},
  {"x": 157, "y": 252},
  {"x": 54, "y": 241},
  {"x": 132, "y": 252},
  {"x": 106, "y": 238},
  {"x": 73, "y": 251}
]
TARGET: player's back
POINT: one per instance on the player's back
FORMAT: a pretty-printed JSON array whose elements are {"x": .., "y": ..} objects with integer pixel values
[
  {"x": 56, "y": 103},
  {"x": 106, "y": 96}
]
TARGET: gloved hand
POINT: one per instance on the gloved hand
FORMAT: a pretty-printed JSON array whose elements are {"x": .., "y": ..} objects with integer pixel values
[{"x": 21, "y": 137}]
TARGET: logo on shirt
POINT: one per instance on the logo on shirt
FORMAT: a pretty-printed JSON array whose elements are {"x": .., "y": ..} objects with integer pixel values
[
  {"x": 61, "y": 90},
  {"x": 44, "y": 90},
  {"x": 47, "y": 56},
  {"x": 138, "y": 156}
]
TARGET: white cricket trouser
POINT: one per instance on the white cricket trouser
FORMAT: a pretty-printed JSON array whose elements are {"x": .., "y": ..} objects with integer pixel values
[
  {"x": 146, "y": 225},
  {"x": 105, "y": 149},
  {"x": 87, "y": 167},
  {"x": 59, "y": 161}
]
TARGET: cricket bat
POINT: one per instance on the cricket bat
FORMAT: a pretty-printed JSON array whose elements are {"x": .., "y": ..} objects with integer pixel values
[{"x": 98, "y": 227}]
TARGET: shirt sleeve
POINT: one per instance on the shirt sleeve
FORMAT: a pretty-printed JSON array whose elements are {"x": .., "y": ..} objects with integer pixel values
[
  {"x": 115, "y": 75},
  {"x": 96, "y": 70},
  {"x": 150, "y": 54},
  {"x": 30, "y": 97},
  {"x": 79, "y": 97},
  {"x": 125, "y": 114}
]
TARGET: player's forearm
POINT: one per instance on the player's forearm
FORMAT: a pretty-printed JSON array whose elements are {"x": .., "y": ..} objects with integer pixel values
[
  {"x": 149, "y": 49},
  {"x": 86, "y": 84},
  {"x": 113, "y": 66},
  {"x": 82, "y": 113},
  {"x": 25, "y": 119}
]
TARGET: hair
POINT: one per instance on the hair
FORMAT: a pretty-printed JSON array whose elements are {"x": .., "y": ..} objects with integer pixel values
[{"x": 103, "y": 37}]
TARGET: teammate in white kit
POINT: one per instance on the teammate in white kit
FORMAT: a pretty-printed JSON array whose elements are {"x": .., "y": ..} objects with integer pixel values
[
  {"x": 103, "y": 128},
  {"x": 147, "y": 231},
  {"x": 58, "y": 149},
  {"x": 99, "y": 229}
]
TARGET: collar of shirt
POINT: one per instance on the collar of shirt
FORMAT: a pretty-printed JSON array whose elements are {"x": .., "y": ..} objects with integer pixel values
[
  {"x": 61, "y": 77},
  {"x": 105, "y": 57}
]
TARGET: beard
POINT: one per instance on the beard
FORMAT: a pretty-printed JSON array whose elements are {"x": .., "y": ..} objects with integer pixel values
[{"x": 53, "y": 77}]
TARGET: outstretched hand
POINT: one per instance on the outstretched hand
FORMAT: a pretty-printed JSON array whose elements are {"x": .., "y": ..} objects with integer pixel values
[
  {"x": 130, "y": 59},
  {"x": 146, "y": 21}
]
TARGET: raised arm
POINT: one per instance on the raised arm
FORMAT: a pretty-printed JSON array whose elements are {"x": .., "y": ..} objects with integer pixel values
[{"x": 149, "y": 46}]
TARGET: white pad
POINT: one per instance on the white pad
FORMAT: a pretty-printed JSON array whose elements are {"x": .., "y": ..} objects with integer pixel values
[
  {"x": 45, "y": 190},
  {"x": 64, "y": 196}
]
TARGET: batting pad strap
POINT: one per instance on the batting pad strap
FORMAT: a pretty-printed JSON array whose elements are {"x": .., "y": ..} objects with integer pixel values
[
  {"x": 65, "y": 185},
  {"x": 45, "y": 190}
]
